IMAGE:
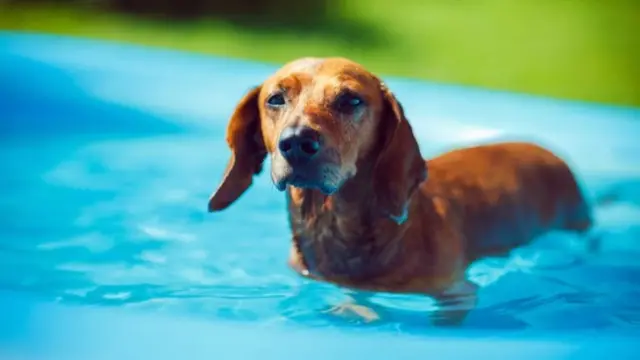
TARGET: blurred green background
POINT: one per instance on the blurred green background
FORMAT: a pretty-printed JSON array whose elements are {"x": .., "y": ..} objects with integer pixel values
[{"x": 575, "y": 49}]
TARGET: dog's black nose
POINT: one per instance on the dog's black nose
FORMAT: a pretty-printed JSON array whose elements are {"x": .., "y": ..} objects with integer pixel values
[{"x": 299, "y": 144}]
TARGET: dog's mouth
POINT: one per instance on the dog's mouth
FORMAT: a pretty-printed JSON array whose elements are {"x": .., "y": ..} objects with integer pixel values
[
  {"x": 324, "y": 178},
  {"x": 303, "y": 182}
]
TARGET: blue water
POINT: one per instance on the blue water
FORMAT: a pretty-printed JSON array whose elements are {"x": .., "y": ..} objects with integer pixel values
[{"x": 108, "y": 154}]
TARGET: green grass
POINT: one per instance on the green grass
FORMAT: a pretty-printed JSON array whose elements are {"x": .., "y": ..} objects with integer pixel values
[{"x": 576, "y": 49}]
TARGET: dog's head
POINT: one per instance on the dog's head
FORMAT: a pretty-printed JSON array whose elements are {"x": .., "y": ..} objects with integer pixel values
[{"x": 321, "y": 120}]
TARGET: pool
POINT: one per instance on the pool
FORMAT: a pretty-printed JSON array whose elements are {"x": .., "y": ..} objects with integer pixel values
[{"x": 109, "y": 152}]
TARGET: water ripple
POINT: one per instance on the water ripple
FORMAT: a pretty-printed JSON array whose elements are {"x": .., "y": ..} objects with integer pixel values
[{"x": 131, "y": 230}]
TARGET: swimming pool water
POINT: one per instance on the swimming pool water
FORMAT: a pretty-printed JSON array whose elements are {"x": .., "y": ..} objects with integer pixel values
[{"x": 108, "y": 154}]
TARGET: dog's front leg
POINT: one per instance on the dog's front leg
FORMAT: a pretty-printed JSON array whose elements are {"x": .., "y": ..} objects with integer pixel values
[
  {"x": 455, "y": 303},
  {"x": 296, "y": 262},
  {"x": 354, "y": 306}
]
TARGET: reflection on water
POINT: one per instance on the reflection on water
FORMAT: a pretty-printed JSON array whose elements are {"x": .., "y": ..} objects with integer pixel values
[{"x": 123, "y": 223}]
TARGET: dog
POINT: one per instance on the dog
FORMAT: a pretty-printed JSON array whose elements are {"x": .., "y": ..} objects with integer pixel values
[{"x": 367, "y": 212}]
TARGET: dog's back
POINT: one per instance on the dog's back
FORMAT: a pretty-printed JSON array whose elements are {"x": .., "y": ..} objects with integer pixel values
[{"x": 506, "y": 194}]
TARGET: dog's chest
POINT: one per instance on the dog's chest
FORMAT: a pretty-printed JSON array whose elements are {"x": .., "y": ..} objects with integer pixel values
[
  {"x": 328, "y": 253},
  {"x": 328, "y": 257}
]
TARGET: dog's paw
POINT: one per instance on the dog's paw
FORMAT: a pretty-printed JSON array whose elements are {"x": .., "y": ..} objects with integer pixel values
[
  {"x": 354, "y": 311},
  {"x": 455, "y": 304}
]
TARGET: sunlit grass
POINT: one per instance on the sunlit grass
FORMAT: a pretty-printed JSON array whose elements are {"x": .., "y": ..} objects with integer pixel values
[{"x": 577, "y": 49}]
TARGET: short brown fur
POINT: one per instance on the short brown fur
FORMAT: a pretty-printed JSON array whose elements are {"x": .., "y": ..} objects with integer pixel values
[{"x": 461, "y": 206}]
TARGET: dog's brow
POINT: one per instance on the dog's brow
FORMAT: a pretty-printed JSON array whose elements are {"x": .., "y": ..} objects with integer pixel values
[
  {"x": 356, "y": 74},
  {"x": 290, "y": 82},
  {"x": 293, "y": 82}
]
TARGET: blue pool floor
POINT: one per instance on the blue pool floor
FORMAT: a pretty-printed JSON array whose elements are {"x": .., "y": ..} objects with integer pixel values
[{"x": 109, "y": 152}]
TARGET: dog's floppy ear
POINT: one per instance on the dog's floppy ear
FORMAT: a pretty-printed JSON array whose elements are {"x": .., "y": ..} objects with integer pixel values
[
  {"x": 400, "y": 167},
  {"x": 247, "y": 152}
]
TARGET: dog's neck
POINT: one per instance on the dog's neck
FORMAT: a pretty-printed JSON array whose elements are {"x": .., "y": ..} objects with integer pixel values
[
  {"x": 335, "y": 232},
  {"x": 355, "y": 201}
]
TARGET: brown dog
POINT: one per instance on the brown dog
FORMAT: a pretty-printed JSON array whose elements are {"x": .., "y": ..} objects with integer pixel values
[{"x": 363, "y": 212}]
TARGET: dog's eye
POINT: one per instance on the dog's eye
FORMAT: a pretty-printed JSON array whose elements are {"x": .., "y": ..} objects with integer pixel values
[
  {"x": 347, "y": 102},
  {"x": 276, "y": 100}
]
